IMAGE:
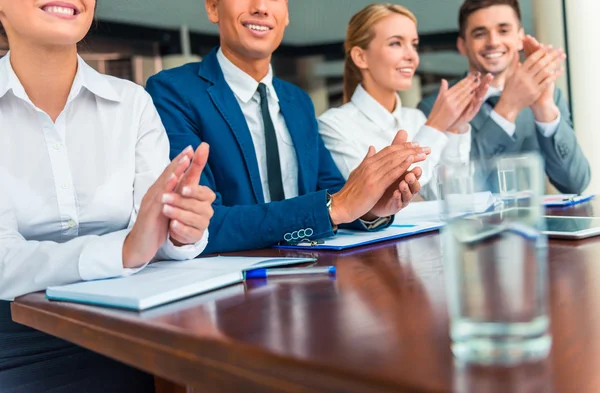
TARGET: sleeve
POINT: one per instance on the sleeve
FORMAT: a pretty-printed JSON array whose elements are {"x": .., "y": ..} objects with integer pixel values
[
  {"x": 549, "y": 129},
  {"x": 446, "y": 149},
  {"x": 458, "y": 149},
  {"x": 152, "y": 157},
  {"x": 566, "y": 165},
  {"x": 29, "y": 266},
  {"x": 437, "y": 141},
  {"x": 346, "y": 154}
]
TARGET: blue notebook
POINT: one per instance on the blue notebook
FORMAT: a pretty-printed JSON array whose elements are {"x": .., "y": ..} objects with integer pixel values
[
  {"x": 345, "y": 239},
  {"x": 562, "y": 200},
  {"x": 164, "y": 282}
]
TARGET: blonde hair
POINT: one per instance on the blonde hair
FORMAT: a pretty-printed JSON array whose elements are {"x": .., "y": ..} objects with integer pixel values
[{"x": 360, "y": 33}]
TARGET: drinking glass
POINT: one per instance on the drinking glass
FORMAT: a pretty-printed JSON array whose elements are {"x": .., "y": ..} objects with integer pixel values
[{"x": 496, "y": 261}]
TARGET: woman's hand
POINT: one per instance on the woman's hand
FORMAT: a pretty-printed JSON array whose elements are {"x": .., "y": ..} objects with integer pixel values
[
  {"x": 462, "y": 123},
  {"x": 454, "y": 108},
  {"x": 175, "y": 204},
  {"x": 190, "y": 207},
  {"x": 151, "y": 226}
]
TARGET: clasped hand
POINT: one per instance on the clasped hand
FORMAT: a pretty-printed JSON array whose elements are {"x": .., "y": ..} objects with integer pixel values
[
  {"x": 455, "y": 107},
  {"x": 175, "y": 205},
  {"x": 532, "y": 83}
]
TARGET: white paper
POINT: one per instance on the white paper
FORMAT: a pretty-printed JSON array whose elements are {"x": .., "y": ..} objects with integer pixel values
[{"x": 432, "y": 210}]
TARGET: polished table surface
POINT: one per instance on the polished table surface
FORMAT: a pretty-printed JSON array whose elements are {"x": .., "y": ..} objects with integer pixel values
[{"x": 381, "y": 325}]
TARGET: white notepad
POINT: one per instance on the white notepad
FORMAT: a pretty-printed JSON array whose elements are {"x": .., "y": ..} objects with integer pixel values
[
  {"x": 164, "y": 282},
  {"x": 432, "y": 210}
]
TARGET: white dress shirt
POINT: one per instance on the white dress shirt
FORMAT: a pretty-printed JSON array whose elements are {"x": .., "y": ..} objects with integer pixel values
[
  {"x": 348, "y": 132},
  {"x": 245, "y": 89},
  {"x": 546, "y": 129},
  {"x": 71, "y": 189}
]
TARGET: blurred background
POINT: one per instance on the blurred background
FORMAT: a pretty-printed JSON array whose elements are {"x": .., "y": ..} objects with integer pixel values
[{"x": 134, "y": 39}]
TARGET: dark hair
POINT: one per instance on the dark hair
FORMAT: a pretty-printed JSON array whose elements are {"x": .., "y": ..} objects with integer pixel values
[{"x": 469, "y": 7}]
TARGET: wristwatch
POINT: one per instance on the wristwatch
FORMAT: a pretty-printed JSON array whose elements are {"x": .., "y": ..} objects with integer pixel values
[{"x": 334, "y": 227}]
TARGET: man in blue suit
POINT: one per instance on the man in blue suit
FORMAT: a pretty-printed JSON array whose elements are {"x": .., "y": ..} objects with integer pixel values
[{"x": 274, "y": 179}]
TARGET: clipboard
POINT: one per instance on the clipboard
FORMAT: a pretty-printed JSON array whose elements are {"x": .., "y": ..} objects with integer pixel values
[
  {"x": 564, "y": 200},
  {"x": 346, "y": 238}
]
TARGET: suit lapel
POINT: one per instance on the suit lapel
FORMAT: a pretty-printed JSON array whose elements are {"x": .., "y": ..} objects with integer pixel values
[
  {"x": 224, "y": 100},
  {"x": 296, "y": 124},
  {"x": 480, "y": 118}
]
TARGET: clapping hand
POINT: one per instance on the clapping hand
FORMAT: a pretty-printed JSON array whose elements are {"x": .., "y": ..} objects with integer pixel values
[
  {"x": 380, "y": 186},
  {"x": 165, "y": 210},
  {"x": 190, "y": 206}
]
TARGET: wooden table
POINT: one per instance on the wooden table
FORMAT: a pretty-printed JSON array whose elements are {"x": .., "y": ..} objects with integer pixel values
[{"x": 380, "y": 326}]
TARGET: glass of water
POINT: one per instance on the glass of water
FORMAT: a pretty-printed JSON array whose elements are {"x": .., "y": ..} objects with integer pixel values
[{"x": 496, "y": 260}]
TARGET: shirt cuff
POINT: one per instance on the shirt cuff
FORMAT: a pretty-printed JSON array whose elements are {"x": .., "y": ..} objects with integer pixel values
[
  {"x": 102, "y": 257},
  {"x": 458, "y": 147},
  {"x": 506, "y": 125},
  {"x": 190, "y": 251},
  {"x": 377, "y": 223},
  {"x": 549, "y": 129}
]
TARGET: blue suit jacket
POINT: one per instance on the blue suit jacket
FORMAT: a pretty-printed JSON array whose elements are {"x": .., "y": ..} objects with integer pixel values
[{"x": 197, "y": 105}]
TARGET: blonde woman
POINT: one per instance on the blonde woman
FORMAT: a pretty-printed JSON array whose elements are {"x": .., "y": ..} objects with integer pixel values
[
  {"x": 87, "y": 190},
  {"x": 381, "y": 59}
]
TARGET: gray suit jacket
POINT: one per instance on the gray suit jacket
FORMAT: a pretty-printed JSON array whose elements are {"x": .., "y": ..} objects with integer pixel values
[{"x": 566, "y": 166}]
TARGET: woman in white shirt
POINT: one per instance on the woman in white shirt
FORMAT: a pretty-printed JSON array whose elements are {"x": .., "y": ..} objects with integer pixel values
[
  {"x": 85, "y": 193},
  {"x": 381, "y": 59}
]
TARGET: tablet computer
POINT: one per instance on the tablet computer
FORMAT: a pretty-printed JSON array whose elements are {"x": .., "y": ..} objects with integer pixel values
[{"x": 572, "y": 227}]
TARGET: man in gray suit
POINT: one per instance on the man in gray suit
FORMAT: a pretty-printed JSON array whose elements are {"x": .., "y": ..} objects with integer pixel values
[{"x": 523, "y": 110}]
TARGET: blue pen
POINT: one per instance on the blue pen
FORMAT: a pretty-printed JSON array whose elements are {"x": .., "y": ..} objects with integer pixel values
[{"x": 264, "y": 273}]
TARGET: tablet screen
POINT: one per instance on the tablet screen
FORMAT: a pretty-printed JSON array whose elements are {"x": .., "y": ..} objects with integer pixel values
[{"x": 571, "y": 224}]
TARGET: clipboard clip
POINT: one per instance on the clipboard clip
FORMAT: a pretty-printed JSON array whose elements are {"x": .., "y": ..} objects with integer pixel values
[{"x": 303, "y": 242}]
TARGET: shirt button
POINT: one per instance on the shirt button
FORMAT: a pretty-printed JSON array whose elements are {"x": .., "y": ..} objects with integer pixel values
[
  {"x": 71, "y": 224},
  {"x": 57, "y": 146},
  {"x": 64, "y": 186}
]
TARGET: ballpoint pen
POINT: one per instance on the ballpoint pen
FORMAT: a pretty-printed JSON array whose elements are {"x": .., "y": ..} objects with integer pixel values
[{"x": 264, "y": 273}]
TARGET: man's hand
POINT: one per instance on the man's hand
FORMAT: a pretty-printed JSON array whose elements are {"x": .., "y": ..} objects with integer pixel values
[
  {"x": 397, "y": 196},
  {"x": 528, "y": 81},
  {"x": 545, "y": 109},
  {"x": 381, "y": 183}
]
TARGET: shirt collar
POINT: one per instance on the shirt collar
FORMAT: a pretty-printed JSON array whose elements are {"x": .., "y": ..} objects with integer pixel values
[
  {"x": 86, "y": 77},
  {"x": 375, "y": 111},
  {"x": 242, "y": 84},
  {"x": 493, "y": 91}
]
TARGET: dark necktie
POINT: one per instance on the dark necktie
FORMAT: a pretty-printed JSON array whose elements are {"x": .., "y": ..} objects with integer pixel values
[{"x": 273, "y": 164}]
